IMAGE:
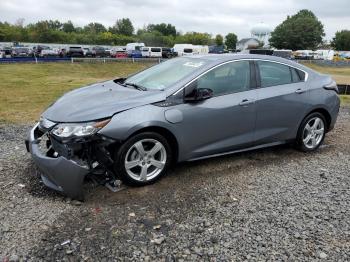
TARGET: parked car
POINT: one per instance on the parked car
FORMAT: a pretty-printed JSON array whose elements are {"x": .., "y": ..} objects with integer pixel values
[
  {"x": 99, "y": 51},
  {"x": 54, "y": 52},
  {"x": 183, "y": 109},
  {"x": 109, "y": 52},
  {"x": 87, "y": 52},
  {"x": 183, "y": 49},
  {"x": 134, "y": 49},
  {"x": 284, "y": 53},
  {"x": 216, "y": 49},
  {"x": 151, "y": 52},
  {"x": 304, "y": 54},
  {"x": 20, "y": 52},
  {"x": 37, "y": 49},
  {"x": 75, "y": 51},
  {"x": 5, "y": 52},
  {"x": 168, "y": 52},
  {"x": 120, "y": 54}
]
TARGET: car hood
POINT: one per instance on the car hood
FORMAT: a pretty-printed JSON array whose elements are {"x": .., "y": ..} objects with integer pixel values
[{"x": 99, "y": 101}]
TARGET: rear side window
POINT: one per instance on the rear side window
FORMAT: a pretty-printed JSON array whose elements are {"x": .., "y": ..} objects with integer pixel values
[
  {"x": 295, "y": 76},
  {"x": 273, "y": 74},
  {"x": 301, "y": 74},
  {"x": 155, "y": 49}
]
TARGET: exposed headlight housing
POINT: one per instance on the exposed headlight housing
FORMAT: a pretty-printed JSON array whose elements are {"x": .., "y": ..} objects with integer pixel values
[
  {"x": 78, "y": 129},
  {"x": 46, "y": 124}
]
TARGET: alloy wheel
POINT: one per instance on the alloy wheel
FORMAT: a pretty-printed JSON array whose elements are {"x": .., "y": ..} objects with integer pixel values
[
  {"x": 313, "y": 132},
  {"x": 145, "y": 159}
]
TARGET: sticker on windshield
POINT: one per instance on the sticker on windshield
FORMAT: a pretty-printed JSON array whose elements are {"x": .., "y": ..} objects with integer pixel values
[{"x": 193, "y": 64}]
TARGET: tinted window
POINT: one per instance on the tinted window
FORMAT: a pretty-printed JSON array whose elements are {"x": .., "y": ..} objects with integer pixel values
[
  {"x": 295, "y": 75},
  {"x": 273, "y": 74},
  {"x": 188, "y": 50},
  {"x": 301, "y": 74},
  {"x": 155, "y": 49},
  {"x": 228, "y": 78}
]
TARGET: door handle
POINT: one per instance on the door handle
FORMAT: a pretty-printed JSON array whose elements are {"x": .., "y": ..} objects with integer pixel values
[
  {"x": 299, "y": 91},
  {"x": 247, "y": 102}
]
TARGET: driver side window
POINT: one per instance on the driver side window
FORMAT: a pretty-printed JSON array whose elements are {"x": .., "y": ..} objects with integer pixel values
[{"x": 229, "y": 78}]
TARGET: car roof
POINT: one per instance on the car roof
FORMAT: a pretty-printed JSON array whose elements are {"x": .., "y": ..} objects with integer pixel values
[{"x": 221, "y": 58}]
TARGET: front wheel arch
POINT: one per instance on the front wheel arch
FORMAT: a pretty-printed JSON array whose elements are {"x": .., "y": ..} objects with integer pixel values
[
  {"x": 168, "y": 135},
  {"x": 122, "y": 153}
]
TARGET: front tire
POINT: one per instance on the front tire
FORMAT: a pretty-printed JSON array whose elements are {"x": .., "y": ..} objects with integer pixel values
[
  {"x": 311, "y": 132},
  {"x": 143, "y": 159}
]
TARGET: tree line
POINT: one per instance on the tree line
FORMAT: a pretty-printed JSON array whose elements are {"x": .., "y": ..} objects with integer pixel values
[
  {"x": 121, "y": 33},
  {"x": 300, "y": 31}
]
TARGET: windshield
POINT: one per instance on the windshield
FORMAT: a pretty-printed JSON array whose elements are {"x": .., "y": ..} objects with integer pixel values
[{"x": 164, "y": 75}]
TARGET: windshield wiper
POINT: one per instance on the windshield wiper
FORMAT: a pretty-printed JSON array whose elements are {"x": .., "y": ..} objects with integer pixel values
[{"x": 138, "y": 87}]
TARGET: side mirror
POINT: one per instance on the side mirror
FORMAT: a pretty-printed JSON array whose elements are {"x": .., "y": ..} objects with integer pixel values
[{"x": 199, "y": 94}]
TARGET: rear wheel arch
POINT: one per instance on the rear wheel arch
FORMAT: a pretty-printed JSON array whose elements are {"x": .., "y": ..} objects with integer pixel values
[{"x": 325, "y": 113}]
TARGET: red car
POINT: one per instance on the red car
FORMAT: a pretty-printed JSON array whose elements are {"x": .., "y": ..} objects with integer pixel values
[{"x": 121, "y": 54}]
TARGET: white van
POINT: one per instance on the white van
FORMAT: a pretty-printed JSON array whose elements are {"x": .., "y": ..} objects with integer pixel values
[
  {"x": 200, "y": 49},
  {"x": 189, "y": 49},
  {"x": 324, "y": 54},
  {"x": 151, "y": 51},
  {"x": 183, "y": 49},
  {"x": 134, "y": 49},
  {"x": 304, "y": 54}
]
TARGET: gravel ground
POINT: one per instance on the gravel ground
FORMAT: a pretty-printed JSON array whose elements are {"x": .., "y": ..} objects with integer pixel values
[{"x": 272, "y": 204}]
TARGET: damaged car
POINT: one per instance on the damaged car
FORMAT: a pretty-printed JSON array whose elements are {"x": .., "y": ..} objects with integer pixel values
[{"x": 132, "y": 129}]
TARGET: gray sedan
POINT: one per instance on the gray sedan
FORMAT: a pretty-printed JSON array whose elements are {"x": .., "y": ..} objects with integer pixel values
[{"x": 187, "y": 108}]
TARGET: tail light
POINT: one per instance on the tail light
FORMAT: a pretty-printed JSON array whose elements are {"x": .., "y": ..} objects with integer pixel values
[{"x": 332, "y": 86}]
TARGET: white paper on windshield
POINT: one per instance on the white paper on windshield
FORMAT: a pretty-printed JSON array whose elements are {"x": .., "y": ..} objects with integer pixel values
[{"x": 193, "y": 64}]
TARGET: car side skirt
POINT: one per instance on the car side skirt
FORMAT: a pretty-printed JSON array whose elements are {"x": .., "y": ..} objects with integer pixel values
[{"x": 239, "y": 150}]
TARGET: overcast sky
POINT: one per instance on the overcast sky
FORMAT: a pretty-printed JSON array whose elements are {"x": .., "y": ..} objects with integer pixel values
[{"x": 188, "y": 15}]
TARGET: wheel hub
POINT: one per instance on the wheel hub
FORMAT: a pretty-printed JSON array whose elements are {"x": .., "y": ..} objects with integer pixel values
[{"x": 145, "y": 159}]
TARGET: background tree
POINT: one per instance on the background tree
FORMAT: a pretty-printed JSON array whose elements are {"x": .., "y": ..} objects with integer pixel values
[
  {"x": 341, "y": 41},
  {"x": 123, "y": 27},
  {"x": 219, "y": 40},
  {"x": 231, "y": 41},
  {"x": 300, "y": 31},
  {"x": 164, "y": 29},
  {"x": 94, "y": 28},
  {"x": 194, "y": 38},
  {"x": 68, "y": 27}
]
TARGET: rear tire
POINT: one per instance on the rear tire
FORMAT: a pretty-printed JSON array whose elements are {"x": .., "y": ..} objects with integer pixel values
[
  {"x": 143, "y": 159},
  {"x": 311, "y": 132}
]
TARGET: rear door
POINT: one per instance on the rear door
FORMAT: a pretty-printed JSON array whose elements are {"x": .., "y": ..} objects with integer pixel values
[{"x": 281, "y": 103}]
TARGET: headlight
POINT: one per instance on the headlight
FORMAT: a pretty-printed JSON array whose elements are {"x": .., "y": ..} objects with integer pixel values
[
  {"x": 45, "y": 123},
  {"x": 79, "y": 129}
]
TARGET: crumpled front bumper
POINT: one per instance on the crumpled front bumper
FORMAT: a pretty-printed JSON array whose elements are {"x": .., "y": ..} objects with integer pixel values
[{"x": 57, "y": 173}]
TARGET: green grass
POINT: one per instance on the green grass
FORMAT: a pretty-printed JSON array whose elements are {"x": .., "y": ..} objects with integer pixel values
[
  {"x": 27, "y": 89},
  {"x": 345, "y": 100},
  {"x": 340, "y": 74}
]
